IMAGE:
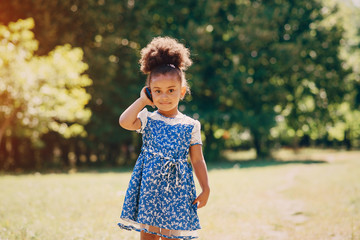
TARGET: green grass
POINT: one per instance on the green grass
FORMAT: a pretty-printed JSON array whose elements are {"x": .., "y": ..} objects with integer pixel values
[{"x": 287, "y": 199}]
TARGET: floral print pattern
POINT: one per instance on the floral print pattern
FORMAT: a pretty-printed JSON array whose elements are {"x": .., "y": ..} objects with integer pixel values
[{"x": 161, "y": 189}]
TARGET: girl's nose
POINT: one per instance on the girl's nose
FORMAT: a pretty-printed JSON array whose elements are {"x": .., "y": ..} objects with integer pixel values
[{"x": 164, "y": 96}]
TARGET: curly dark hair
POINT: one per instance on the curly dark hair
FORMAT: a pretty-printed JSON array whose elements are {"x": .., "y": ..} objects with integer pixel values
[
  {"x": 164, "y": 50},
  {"x": 165, "y": 55}
]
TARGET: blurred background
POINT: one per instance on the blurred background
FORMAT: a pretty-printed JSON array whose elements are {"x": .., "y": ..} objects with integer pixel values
[{"x": 267, "y": 75}]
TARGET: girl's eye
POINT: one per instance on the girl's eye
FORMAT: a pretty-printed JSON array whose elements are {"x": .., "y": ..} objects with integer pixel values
[
  {"x": 157, "y": 91},
  {"x": 171, "y": 90}
]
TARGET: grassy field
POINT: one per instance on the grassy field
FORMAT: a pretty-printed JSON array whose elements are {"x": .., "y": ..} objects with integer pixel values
[{"x": 314, "y": 195}]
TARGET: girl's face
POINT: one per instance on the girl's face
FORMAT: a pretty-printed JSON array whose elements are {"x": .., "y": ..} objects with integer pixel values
[{"x": 166, "y": 91}]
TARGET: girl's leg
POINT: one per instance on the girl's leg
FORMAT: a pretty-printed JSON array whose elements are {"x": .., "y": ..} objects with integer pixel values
[
  {"x": 168, "y": 233},
  {"x": 149, "y": 236}
]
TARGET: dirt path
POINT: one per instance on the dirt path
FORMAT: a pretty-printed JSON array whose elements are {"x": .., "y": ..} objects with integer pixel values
[{"x": 290, "y": 211}]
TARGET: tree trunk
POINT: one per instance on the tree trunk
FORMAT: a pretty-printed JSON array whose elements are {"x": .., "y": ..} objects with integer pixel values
[
  {"x": 257, "y": 145},
  {"x": 25, "y": 154},
  {"x": 7, "y": 122},
  {"x": 5, "y": 125},
  {"x": 262, "y": 150},
  {"x": 347, "y": 139},
  {"x": 65, "y": 149},
  {"x": 3, "y": 155},
  {"x": 295, "y": 144},
  {"x": 47, "y": 152},
  {"x": 77, "y": 151},
  {"x": 15, "y": 156}
]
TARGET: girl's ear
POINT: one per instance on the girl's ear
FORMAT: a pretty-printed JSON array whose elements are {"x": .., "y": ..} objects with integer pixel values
[{"x": 183, "y": 92}]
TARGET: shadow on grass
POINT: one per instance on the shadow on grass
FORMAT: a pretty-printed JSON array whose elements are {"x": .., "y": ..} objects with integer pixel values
[
  {"x": 253, "y": 163},
  {"x": 223, "y": 164},
  {"x": 67, "y": 170}
]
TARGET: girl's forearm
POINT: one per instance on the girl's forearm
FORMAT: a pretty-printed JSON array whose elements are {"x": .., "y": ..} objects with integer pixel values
[
  {"x": 199, "y": 166},
  {"x": 201, "y": 174},
  {"x": 129, "y": 119}
]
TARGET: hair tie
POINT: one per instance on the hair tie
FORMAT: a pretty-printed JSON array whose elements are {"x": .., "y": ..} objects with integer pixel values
[{"x": 171, "y": 65}]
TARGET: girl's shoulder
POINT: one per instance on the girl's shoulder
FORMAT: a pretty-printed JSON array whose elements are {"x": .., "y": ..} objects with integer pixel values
[{"x": 189, "y": 120}]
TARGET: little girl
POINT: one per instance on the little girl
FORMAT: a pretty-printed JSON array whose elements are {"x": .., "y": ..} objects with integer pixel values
[{"x": 161, "y": 199}]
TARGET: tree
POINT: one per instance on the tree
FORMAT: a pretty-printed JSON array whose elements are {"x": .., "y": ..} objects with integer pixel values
[
  {"x": 344, "y": 115},
  {"x": 258, "y": 65},
  {"x": 264, "y": 59},
  {"x": 105, "y": 30},
  {"x": 40, "y": 93}
]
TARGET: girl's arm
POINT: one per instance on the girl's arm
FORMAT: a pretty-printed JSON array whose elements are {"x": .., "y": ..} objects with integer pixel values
[
  {"x": 199, "y": 165},
  {"x": 128, "y": 118}
]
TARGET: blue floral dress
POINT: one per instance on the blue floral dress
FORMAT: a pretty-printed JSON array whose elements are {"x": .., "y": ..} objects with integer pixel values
[{"x": 161, "y": 190}]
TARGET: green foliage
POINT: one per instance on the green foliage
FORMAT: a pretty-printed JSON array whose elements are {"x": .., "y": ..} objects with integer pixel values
[
  {"x": 261, "y": 61},
  {"x": 346, "y": 122},
  {"x": 264, "y": 71},
  {"x": 41, "y": 93}
]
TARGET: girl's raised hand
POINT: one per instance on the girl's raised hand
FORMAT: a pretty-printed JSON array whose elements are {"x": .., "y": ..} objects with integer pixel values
[{"x": 146, "y": 100}]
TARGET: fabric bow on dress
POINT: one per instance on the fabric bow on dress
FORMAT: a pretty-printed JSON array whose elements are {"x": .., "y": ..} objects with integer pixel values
[{"x": 171, "y": 164}]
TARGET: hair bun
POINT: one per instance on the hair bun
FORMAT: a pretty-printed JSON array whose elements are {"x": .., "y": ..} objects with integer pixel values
[{"x": 162, "y": 51}]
